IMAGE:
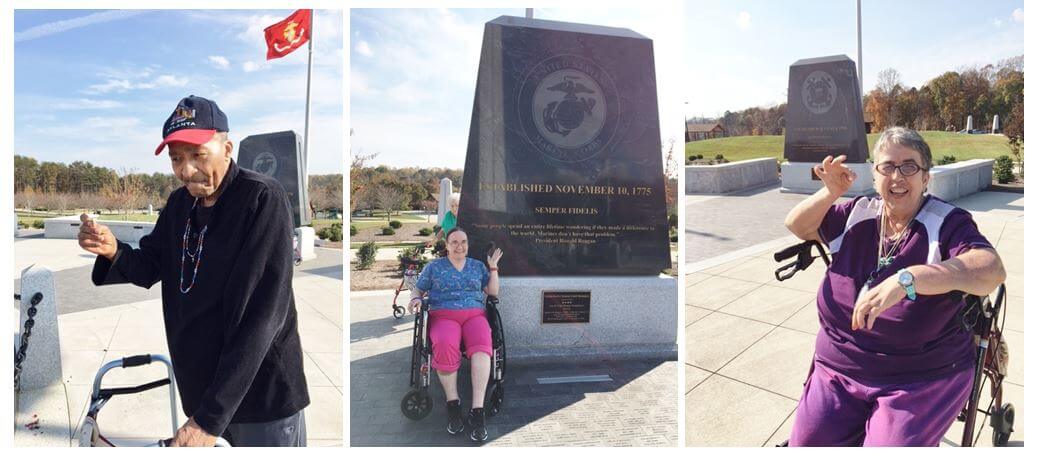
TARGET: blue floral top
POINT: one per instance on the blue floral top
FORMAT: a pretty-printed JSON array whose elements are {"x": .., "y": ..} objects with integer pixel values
[{"x": 449, "y": 288}]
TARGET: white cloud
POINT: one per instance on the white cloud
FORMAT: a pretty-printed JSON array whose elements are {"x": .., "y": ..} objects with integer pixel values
[
  {"x": 86, "y": 103},
  {"x": 219, "y": 62},
  {"x": 55, "y": 27},
  {"x": 250, "y": 66},
  {"x": 363, "y": 48},
  {"x": 1018, "y": 15},
  {"x": 744, "y": 20},
  {"x": 997, "y": 22},
  {"x": 124, "y": 85}
]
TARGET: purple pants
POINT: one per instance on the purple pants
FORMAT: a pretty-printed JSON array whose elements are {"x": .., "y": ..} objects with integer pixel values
[{"x": 837, "y": 411}]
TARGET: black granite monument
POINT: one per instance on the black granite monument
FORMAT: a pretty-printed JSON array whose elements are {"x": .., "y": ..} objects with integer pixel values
[
  {"x": 280, "y": 155},
  {"x": 825, "y": 116},
  {"x": 564, "y": 169}
]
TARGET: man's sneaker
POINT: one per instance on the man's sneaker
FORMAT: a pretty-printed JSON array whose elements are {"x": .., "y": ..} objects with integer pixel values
[
  {"x": 455, "y": 417},
  {"x": 476, "y": 419}
]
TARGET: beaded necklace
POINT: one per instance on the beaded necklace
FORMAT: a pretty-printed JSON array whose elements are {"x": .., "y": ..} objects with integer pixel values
[
  {"x": 195, "y": 257},
  {"x": 885, "y": 257}
]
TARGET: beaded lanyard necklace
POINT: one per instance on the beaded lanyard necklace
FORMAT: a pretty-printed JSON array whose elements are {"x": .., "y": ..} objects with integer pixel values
[
  {"x": 195, "y": 257},
  {"x": 885, "y": 257}
]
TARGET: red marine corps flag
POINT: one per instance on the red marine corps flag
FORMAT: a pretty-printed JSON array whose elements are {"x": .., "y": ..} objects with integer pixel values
[{"x": 288, "y": 35}]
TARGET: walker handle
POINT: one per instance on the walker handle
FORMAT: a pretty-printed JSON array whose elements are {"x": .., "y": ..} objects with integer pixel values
[{"x": 136, "y": 361}]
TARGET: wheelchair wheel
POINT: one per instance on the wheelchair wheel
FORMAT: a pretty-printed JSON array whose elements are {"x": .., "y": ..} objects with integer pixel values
[
  {"x": 399, "y": 312},
  {"x": 416, "y": 405},
  {"x": 1003, "y": 425}
]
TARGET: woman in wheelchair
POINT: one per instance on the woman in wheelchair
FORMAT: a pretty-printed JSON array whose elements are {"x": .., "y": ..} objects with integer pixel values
[
  {"x": 892, "y": 366},
  {"x": 457, "y": 286}
]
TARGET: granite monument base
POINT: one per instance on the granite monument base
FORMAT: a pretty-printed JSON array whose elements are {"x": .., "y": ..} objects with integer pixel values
[
  {"x": 630, "y": 317},
  {"x": 729, "y": 177},
  {"x": 959, "y": 179},
  {"x": 796, "y": 177},
  {"x": 125, "y": 230}
]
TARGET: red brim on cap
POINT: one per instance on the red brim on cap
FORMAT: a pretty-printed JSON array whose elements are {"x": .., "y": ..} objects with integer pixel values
[{"x": 191, "y": 136}]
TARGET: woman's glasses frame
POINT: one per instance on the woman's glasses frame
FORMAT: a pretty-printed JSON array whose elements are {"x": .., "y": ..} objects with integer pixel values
[{"x": 906, "y": 169}]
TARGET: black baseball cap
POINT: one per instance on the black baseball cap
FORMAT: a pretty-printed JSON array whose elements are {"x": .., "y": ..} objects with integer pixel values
[{"x": 195, "y": 120}]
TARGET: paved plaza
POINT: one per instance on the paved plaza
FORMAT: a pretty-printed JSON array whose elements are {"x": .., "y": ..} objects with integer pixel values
[
  {"x": 99, "y": 324},
  {"x": 636, "y": 406},
  {"x": 750, "y": 338}
]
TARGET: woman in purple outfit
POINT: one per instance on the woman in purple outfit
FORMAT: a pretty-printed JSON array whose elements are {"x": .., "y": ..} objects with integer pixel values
[{"x": 893, "y": 366}]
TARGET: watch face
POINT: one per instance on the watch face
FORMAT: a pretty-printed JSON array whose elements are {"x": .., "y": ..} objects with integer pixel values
[{"x": 905, "y": 278}]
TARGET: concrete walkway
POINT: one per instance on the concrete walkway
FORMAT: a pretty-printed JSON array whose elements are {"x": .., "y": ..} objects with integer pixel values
[
  {"x": 750, "y": 338},
  {"x": 92, "y": 337},
  {"x": 636, "y": 406}
]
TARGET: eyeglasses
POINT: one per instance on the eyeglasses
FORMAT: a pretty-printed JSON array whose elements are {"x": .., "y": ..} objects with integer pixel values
[
  {"x": 457, "y": 244},
  {"x": 907, "y": 169}
]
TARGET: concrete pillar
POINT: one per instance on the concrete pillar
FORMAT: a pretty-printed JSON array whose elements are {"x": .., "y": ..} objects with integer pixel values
[
  {"x": 305, "y": 237},
  {"x": 444, "y": 190},
  {"x": 42, "y": 366}
]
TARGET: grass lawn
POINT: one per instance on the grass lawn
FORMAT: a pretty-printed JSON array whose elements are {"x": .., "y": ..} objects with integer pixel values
[
  {"x": 379, "y": 221},
  {"x": 963, "y": 146}
]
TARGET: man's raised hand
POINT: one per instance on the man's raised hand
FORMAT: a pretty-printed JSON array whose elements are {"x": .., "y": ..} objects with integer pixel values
[{"x": 96, "y": 238}]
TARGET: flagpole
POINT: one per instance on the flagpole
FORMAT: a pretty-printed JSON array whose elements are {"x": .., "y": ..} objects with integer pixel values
[{"x": 306, "y": 123}]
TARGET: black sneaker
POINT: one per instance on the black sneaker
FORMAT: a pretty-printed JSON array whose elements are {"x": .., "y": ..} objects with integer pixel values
[
  {"x": 477, "y": 421},
  {"x": 455, "y": 417}
]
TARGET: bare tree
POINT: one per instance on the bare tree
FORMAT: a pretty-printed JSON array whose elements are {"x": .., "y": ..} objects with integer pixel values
[
  {"x": 357, "y": 180},
  {"x": 387, "y": 198},
  {"x": 125, "y": 193}
]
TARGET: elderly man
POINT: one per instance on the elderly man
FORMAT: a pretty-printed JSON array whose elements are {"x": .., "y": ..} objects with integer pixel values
[{"x": 222, "y": 250}]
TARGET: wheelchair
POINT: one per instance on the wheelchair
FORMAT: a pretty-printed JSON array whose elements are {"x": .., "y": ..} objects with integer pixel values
[
  {"x": 417, "y": 403},
  {"x": 984, "y": 317}
]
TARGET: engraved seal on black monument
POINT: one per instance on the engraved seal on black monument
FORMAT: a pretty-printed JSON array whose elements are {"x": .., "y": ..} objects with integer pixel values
[
  {"x": 265, "y": 163},
  {"x": 819, "y": 92},
  {"x": 568, "y": 108}
]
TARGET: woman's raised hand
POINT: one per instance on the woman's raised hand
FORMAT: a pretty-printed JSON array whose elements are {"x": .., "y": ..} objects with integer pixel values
[
  {"x": 494, "y": 258},
  {"x": 836, "y": 177}
]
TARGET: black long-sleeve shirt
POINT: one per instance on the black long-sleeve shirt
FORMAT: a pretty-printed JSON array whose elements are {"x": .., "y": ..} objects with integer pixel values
[{"x": 232, "y": 338}]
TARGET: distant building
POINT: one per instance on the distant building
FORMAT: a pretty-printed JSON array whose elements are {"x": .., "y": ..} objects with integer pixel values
[{"x": 696, "y": 132}]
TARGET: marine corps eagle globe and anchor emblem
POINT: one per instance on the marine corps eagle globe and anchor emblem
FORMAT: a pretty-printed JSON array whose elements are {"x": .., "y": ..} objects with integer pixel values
[
  {"x": 265, "y": 163},
  {"x": 819, "y": 92},
  {"x": 568, "y": 108}
]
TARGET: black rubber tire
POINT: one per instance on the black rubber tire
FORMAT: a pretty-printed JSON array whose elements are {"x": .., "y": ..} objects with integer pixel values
[
  {"x": 416, "y": 405},
  {"x": 1007, "y": 420},
  {"x": 399, "y": 312}
]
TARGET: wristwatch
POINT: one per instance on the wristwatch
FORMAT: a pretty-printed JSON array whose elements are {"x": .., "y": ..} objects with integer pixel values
[{"x": 907, "y": 282}]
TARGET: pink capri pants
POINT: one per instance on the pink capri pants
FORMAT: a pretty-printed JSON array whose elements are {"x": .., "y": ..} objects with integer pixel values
[{"x": 451, "y": 328}]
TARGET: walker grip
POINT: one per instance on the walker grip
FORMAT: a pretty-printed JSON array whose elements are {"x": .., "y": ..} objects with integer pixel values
[{"x": 136, "y": 360}]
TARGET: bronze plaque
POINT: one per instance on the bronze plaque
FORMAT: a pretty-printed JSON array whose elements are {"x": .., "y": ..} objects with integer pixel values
[{"x": 566, "y": 307}]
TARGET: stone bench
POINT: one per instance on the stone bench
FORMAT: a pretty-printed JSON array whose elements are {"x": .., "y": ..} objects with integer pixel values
[
  {"x": 67, "y": 227},
  {"x": 960, "y": 179},
  {"x": 732, "y": 176}
]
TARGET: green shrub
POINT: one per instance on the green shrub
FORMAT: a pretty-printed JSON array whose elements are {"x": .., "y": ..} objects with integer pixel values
[
  {"x": 947, "y": 159},
  {"x": 719, "y": 157},
  {"x": 673, "y": 219},
  {"x": 673, "y": 236},
  {"x": 395, "y": 224},
  {"x": 352, "y": 230},
  {"x": 322, "y": 234},
  {"x": 413, "y": 252},
  {"x": 693, "y": 157},
  {"x": 366, "y": 255},
  {"x": 387, "y": 231},
  {"x": 425, "y": 231},
  {"x": 1003, "y": 169},
  {"x": 39, "y": 223},
  {"x": 436, "y": 229},
  {"x": 439, "y": 249},
  {"x": 335, "y": 232},
  {"x": 700, "y": 156}
]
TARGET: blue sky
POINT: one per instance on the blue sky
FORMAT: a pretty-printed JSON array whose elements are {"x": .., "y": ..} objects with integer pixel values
[
  {"x": 739, "y": 52},
  {"x": 413, "y": 71},
  {"x": 97, "y": 85}
]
